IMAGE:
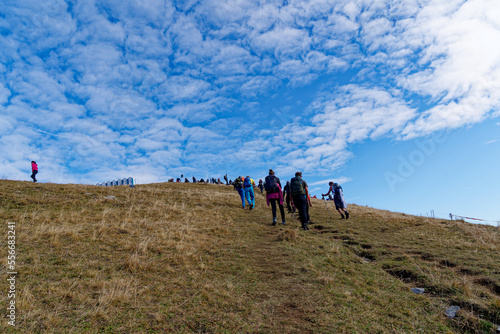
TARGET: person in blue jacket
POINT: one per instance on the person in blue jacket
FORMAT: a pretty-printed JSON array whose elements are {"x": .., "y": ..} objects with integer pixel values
[
  {"x": 338, "y": 198},
  {"x": 249, "y": 194}
]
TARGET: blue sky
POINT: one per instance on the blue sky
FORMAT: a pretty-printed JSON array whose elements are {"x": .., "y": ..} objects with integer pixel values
[{"x": 397, "y": 100}]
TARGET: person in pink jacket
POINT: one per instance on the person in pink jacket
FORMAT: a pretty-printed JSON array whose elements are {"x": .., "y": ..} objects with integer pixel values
[
  {"x": 34, "y": 170},
  {"x": 274, "y": 195}
]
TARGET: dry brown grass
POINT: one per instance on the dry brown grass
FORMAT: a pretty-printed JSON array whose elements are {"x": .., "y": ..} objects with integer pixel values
[{"x": 184, "y": 258}]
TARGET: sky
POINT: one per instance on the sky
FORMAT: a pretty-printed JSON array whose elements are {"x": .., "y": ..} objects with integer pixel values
[{"x": 399, "y": 101}]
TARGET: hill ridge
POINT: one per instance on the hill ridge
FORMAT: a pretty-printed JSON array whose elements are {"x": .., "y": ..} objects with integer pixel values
[{"x": 185, "y": 258}]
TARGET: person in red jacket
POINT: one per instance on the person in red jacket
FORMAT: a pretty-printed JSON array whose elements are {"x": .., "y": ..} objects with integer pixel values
[{"x": 34, "y": 170}]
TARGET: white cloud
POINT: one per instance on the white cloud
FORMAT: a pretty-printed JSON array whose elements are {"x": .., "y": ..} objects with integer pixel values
[
  {"x": 284, "y": 42},
  {"x": 120, "y": 85},
  {"x": 339, "y": 180}
]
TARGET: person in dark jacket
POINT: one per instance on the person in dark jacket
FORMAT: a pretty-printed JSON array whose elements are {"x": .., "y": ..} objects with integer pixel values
[
  {"x": 300, "y": 195},
  {"x": 261, "y": 186},
  {"x": 287, "y": 195}
]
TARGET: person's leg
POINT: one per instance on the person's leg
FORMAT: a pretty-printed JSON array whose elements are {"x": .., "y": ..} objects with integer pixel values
[
  {"x": 344, "y": 209},
  {"x": 252, "y": 197},
  {"x": 300, "y": 204},
  {"x": 288, "y": 207},
  {"x": 272, "y": 201},
  {"x": 247, "y": 197},
  {"x": 282, "y": 211},
  {"x": 33, "y": 176},
  {"x": 338, "y": 207},
  {"x": 241, "y": 192}
]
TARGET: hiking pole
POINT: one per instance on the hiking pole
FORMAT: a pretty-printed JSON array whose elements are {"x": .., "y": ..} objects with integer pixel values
[{"x": 327, "y": 207}]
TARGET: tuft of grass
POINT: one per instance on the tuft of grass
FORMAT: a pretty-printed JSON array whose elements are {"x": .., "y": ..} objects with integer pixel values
[{"x": 185, "y": 258}]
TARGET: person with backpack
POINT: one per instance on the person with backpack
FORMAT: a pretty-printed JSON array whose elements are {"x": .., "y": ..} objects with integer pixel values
[
  {"x": 34, "y": 170},
  {"x": 238, "y": 185},
  {"x": 274, "y": 195},
  {"x": 338, "y": 198},
  {"x": 248, "y": 184},
  {"x": 225, "y": 179},
  {"x": 287, "y": 196},
  {"x": 300, "y": 195},
  {"x": 261, "y": 186}
]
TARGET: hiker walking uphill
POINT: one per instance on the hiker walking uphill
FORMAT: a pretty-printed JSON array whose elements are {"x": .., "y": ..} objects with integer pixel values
[
  {"x": 248, "y": 185},
  {"x": 238, "y": 185},
  {"x": 261, "y": 186},
  {"x": 300, "y": 195},
  {"x": 274, "y": 195},
  {"x": 287, "y": 195},
  {"x": 338, "y": 198},
  {"x": 34, "y": 171}
]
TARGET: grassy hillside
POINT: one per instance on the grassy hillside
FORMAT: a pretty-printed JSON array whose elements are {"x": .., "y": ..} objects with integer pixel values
[{"x": 185, "y": 258}]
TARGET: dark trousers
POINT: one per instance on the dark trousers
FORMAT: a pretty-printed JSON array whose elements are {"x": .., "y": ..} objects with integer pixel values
[
  {"x": 273, "y": 202},
  {"x": 300, "y": 202},
  {"x": 288, "y": 205},
  {"x": 33, "y": 175}
]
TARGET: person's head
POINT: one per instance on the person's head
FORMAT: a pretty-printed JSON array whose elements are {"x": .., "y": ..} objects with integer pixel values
[
  {"x": 33, "y": 162},
  {"x": 271, "y": 172},
  {"x": 330, "y": 183},
  {"x": 287, "y": 182},
  {"x": 298, "y": 174}
]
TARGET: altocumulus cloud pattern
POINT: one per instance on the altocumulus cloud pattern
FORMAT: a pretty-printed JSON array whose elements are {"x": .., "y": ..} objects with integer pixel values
[{"x": 95, "y": 90}]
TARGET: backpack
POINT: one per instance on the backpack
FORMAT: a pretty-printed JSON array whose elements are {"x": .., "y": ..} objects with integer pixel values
[
  {"x": 296, "y": 187},
  {"x": 238, "y": 183},
  {"x": 271, "y": 184},
  {"x": 247, "y": 182}
]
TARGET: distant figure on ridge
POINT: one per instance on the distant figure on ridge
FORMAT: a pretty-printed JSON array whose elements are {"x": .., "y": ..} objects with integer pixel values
[
  {"x": 338, "y": 198},
  {"x": 274, "y": 194},
  {"x": 34, "y": 170},
  {"x": 248, "y": 184},
  {"x": 261, "y": 186},
  {"x": 300, "y": 195},
  {"x": 225, "y": 179}
]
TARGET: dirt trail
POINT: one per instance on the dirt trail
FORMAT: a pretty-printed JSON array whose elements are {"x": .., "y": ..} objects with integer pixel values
[{"x": 284, "y": 292}]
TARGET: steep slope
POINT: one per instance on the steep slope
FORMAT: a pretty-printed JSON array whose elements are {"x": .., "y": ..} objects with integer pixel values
[{"x": 185, "y": 258}]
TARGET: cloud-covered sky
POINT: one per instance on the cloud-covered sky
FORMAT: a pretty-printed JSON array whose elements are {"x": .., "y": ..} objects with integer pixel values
[{"x": 99, "y": 90}]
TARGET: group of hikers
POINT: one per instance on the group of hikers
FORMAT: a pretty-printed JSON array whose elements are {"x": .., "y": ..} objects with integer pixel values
[
  {"x": 212, "y": 180},
  {"x": 295, "y": 193}
]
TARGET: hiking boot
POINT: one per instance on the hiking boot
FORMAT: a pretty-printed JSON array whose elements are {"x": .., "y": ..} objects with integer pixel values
[
  {"x": 346, "y": 215},
  {"x": 251, "y": 207},
  {"x": 341, "y": 215},
  {"x": 304, "y": 226},
  {"x": 274, "y": 222},
  {"x": 283, "y": 222}
]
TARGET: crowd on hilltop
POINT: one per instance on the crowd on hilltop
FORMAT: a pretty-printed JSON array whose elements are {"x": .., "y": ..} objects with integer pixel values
[{"x": 211, "y": 180}]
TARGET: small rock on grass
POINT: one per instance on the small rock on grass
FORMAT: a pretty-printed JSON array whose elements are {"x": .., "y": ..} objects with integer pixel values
[
  {"x": 418, "y": 291},
  {"x": 452, "y": 311},
  {"x": 110, "y": 197}
]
